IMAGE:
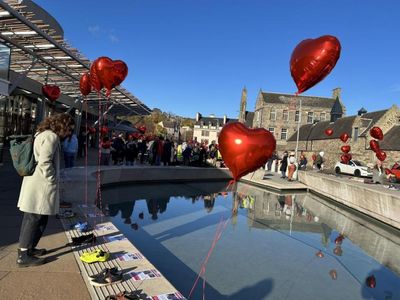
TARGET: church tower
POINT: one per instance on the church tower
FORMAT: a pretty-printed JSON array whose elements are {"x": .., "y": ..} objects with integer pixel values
[{"x": 243, "y": 104}]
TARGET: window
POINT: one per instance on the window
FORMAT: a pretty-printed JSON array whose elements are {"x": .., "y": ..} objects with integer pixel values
[
  {"x": 205, "y": 133},
  {"x": 258, "y": 116},
  {"x": 323, "y": 116},
  {"x": 285, "y": 115},
  {"x": 297, "y": 116},
  {"x": 272, "y": 115},
  {"x": 355, "y": 135},
  {"x": 310, "y": 117},
  {"x": 272, "y": 130},
  {"x": 283, "y": 134}
]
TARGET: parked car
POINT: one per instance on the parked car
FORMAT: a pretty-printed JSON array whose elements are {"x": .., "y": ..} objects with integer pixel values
[{"x": 354, "y": 167}]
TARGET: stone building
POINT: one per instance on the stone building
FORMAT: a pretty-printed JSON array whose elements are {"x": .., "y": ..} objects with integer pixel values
[
  {"x": 312, "y": 137},
  {"x": 207, "y": 129},
  {"x": 246, "y": 117},
  {"x": 280, "y": 113}
]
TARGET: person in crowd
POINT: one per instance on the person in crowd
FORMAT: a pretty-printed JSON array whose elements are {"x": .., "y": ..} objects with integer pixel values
[
  {"x": 70, "y": 147},
  {"x": 39, "y": 196},
  {"x": 105, "y": 149},
  {"x": 303, "y": 162},
  {"x": 284, "y": 164},
  {"x": 202, "y": 155},
  {"x": 117, "y": 151},
  {"x": 213, "y": 155},
  {"x": 131, "y": 151},
  {"x": 273, "y": 157},
  {"x": 291, "y": 165},
  {"x": 166, "y": 153},
  {"x": 319, "y": 161},
  {"x": 142, "y": 149},
  {"x": 187, "y": 154},
  {"x": 378, "y": 172}
]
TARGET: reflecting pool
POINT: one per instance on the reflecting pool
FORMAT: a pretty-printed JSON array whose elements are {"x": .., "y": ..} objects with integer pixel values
[{"x": 271, "y": 246}]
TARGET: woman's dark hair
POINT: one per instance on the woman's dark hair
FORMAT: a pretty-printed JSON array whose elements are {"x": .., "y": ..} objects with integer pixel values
[{"x": 59, "y": 124}]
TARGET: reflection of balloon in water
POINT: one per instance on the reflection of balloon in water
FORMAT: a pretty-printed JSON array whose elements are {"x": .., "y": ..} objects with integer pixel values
[
  {"x": 376, "y": 133},
  {"x": 333, "y": 274},
  {"x": 319, "y": 254},
  {"x": 312, "y": 60},
  {"x": 245, "y": 150}
]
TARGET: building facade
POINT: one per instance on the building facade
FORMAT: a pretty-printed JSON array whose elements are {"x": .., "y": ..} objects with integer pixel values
[
  {"x": 312, "y": 137},
  {"x": 207, "y": 129},
  {"x": 281, "y": 113}
]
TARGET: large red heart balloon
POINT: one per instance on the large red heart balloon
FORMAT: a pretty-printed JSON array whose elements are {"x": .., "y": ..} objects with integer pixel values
[
  {"x": 110, "y": 73},
  {"x": 51, "y": 92},
  {"x": 344, "y": 137},
  {"x": 94, "y": 78},
  {"x": 85, "y": 85},
  {"x": 374, "y": 145},
  {"x": 381, "y": 155},
  {"x": 345, "y": 148},
  {"x": 376, "y": 133},
  {"x": 312, "y": 60},
  {"x": 244, "y": 150},
  {"x": 328, "y": 131}
]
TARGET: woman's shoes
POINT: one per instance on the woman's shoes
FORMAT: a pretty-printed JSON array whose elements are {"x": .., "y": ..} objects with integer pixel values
[{"x": 84, "y": 239}]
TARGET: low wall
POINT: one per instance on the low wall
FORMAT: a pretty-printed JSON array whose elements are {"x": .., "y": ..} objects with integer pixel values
[{"x": 373, "y": 200}]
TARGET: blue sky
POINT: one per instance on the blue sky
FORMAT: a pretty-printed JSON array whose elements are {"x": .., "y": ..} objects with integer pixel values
[{"x": 188, "y": 56}]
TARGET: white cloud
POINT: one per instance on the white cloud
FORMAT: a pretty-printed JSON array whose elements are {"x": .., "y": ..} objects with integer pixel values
[
  {"x": 113, "y": 38},
  {"x": 94, "y": 29}
]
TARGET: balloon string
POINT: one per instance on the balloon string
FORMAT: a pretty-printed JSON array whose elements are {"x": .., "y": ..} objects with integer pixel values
[
  {"x": 86, "y": 153},
  {"x": 230, "y": 183},
  {"x": 220, "y": 228}
]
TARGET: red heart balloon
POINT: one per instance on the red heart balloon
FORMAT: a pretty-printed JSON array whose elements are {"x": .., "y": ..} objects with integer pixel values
[
  {"x": 94, "y": 78},
  {"x": 345, "y": 158},
  {"x": 328, "y": 131},
  {"x": 376, "y": 133},
  {"x": 374, "y": 145},
  {"x": 103, "y": 130},
  {"x": 387, "y": 171},
  {"x": 85, "y": 85},
  {"x": 92, "y": 130},
  {"x": 244, "y": 150},
  {"x": 110, "y": 73},
  {"x": 344, "y": 137},
  {"x": 312, "y": 60},
  {"x": 371, "y": 281},
  {"x": 381, "y": 155},
  {"x": 314, "y": 157},
  {"x": 51, "y": 92},
  {"x": 345, "y": 148}
]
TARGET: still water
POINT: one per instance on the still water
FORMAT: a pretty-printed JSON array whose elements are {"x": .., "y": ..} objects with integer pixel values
[{"x": 271, "y": 246}]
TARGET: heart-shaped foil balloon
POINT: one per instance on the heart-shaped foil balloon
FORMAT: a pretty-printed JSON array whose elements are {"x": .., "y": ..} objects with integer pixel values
[
  {"x": 345, "y": 149},
  {"x": 51, "y": 92},
  {"x": 85, "y": 84},
  {"x": 244, "y": 150},
  {"x": 344, "y": 137},
  {"x": 376, "y": 133},
  {"x": 381, "y": 155},
  {"x": 345, "y": 158},
  {"x": 328, "y": 131},
  {"x": 312, "y": 60},
  {"x": 374, "y": 145}
]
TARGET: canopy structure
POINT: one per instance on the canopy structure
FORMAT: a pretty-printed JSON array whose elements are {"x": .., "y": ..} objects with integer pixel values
[{"x": 39, "y": 53}]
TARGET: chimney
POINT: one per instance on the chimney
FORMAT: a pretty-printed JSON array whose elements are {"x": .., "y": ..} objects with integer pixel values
[
  {"x": 337, "y": 93},
  {"x": 224, "y": 119},
  {"x": 362, "y": 111}
]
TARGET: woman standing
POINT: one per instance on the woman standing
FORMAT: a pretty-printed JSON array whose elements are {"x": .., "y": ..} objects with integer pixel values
[{"x": 39, "y": 195}]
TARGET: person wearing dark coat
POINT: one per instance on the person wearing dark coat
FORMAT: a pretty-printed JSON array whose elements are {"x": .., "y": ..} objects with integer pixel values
[
  {"x": 166, "y": 153},
  {"x": 284, "y": 164}
]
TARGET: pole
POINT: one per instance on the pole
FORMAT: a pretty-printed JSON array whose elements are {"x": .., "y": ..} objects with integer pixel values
[{"x": 298, "y": 129}]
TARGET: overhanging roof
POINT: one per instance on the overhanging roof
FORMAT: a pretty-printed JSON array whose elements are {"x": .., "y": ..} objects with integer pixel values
[{"x": 39, "y": 52}]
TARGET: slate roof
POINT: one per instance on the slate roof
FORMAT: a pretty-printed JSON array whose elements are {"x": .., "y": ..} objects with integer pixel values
[
  {"x": 391, "y": 139},
  {"x": 249, "y": 119},
  {"x": 374, "y": 116},
  {"x": 168, "y": 124},
  {"x": 306, "y": 100},
  {"x": 214, "y": 121}
]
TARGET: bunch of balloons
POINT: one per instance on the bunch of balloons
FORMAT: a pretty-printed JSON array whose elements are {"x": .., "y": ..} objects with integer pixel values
[
  {"x": 377, "y": 133},
  {"x": 346, "y": 156},
  {"x": 104, "y": 73}
]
